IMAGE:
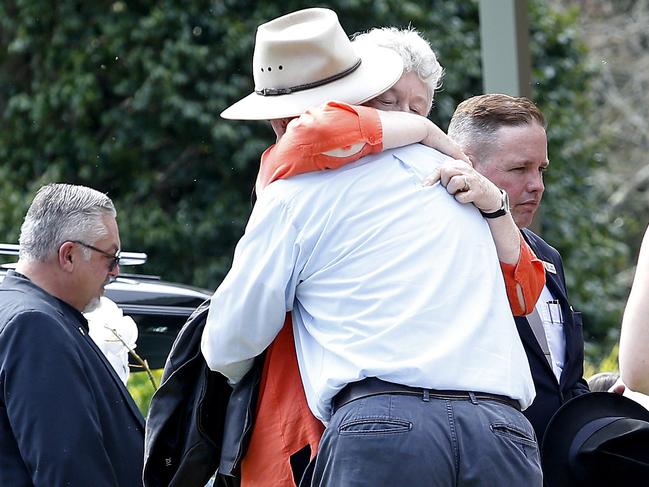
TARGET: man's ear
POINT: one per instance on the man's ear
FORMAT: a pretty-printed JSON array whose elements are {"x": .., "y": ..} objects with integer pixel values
[
  {"x": 279, "y": 125},
  {"x": 66, "y": 257}
]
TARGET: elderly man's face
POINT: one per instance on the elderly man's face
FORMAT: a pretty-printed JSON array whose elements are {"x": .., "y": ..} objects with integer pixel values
[
  {"x": 409, "y": 94},
  {"x": 516, "y": 162},
  {"x": 96, "y": 272}
]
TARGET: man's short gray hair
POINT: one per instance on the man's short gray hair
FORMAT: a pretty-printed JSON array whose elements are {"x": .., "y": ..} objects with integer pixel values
[
  {"x": 60, "y": 213},
  {"x": 416, "y": 52},
  {"x": 477, "y": 119}
]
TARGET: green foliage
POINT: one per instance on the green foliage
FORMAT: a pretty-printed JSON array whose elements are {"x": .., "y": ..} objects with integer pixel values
[
  {"x": 141, "y": 388},
  {"x": 125, "y": 97},
  {"x": 608, "y": 363},
  {"x": 574, "y": 219}
]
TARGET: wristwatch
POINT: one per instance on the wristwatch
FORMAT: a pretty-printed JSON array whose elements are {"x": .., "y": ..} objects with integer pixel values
[{"x": 504, "y": 206}]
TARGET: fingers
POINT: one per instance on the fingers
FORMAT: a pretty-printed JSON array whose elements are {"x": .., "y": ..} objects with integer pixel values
[
  {"x": 464, "y": 197},
  {"x": 466, "y": 185},
  {"x": 458, "y": 166},
  {"x": 618, "y": 387},
  {"x": 453, "y": 183},
  {"x": 456, "y": 176},
  {"x": 433, "y": 178},
  {"x": 458, "y": 183}
]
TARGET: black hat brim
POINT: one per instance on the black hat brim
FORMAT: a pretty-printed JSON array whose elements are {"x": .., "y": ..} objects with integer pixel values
[{"x": 569, "y": 419}]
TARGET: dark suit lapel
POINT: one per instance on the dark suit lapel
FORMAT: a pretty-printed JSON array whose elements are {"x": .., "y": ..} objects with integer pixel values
[
  {"x": 557, "y": 286},
  {"x": 553, "y": 269}
]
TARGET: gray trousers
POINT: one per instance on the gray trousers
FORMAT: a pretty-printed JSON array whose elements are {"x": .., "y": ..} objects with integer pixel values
[{"x": 401, "y": 440}]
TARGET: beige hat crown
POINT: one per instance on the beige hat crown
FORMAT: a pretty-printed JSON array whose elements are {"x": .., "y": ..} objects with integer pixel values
[
  {"x": 304, "y": 58},
  {"x": 301, "y": 49}
]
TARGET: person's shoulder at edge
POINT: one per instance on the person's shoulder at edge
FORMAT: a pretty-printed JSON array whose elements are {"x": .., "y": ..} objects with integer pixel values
[{"x": 427, "y": 154}]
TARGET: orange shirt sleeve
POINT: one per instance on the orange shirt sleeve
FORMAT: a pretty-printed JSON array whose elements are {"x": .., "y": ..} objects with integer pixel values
[
  {"x": 529, "y": 273},
  {"x": 311, "y": 139}
]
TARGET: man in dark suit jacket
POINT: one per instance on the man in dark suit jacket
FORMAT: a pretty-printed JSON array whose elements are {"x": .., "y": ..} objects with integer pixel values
[
  {"x": 65, "y": 416},
  {"x": 550, "y": 392},
  {"x": 505, "y": 138}
]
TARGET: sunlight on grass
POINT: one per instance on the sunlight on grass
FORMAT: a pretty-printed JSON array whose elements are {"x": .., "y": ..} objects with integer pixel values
[
  {"x": 141, "y": 388},
  {"x": 607, "y": 364}
]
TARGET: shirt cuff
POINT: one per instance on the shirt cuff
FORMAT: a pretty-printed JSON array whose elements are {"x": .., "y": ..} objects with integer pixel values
[{"x": 529, "y": 274}]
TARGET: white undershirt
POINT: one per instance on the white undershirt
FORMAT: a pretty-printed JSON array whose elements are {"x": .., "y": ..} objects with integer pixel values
[{"x": 551, "y": 315}]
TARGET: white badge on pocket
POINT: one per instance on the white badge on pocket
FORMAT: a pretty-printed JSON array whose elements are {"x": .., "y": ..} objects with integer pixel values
[{"x": 549, "y": 266}]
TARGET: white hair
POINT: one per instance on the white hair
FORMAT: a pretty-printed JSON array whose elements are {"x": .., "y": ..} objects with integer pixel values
[
  {"x": 415, "y": 51},
  {"x": 61, "y": 213}
]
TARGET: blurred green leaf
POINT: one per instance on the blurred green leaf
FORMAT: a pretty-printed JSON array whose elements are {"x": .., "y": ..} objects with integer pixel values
[{"x": 126, "y": 96}]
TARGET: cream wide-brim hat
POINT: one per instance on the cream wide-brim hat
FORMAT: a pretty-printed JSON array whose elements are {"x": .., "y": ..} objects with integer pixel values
[{"x": 304, "y": 59}]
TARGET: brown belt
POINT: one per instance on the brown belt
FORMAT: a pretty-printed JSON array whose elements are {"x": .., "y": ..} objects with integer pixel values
[{"x": 374, "y": 387}]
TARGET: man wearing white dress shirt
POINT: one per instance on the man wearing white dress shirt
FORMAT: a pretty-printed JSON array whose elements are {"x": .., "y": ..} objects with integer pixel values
[{"x": 406, "y": 345}]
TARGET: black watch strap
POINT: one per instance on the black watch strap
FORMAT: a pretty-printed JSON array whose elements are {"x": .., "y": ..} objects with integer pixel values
[
  {"x": 504, "y": 207},
  {"x": 494, "y": 214}
]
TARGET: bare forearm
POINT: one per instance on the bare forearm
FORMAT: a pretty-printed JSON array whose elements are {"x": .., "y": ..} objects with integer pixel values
[
  {"x": 506, "y": 237},
  {"x": 402, "y": 128},
  {"x": 634, "y": 339}
]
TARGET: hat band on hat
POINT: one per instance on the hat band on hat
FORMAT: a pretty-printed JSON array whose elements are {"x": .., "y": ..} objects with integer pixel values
[
  {"x": 308, "y": 86},
  {"x": 577, "y": 447}
]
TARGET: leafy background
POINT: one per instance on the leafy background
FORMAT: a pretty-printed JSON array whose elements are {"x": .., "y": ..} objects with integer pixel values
[{"x": 125, "y": 97}]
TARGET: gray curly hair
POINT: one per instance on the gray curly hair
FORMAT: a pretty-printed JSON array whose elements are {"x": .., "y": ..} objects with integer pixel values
[{"x": 415, "y": 51}]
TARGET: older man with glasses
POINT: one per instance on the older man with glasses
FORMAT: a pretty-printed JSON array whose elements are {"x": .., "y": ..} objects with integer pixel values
[{"x": 66, "y": 418}]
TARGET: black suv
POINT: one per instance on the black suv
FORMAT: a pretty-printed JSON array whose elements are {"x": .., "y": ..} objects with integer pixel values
[{"x": 159, "y": 308}]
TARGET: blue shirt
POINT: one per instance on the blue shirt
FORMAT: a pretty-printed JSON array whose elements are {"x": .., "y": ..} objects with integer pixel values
[{"x": 384, "y": 277}]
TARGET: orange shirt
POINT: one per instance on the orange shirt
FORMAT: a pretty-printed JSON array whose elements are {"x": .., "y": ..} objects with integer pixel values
[
  {"x": 326, "y": 137},
  {"x": 283, "y": 422}
]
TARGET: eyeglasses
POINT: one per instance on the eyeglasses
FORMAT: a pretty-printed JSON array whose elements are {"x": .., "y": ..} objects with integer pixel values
[{"x": 115, "y": 258}]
